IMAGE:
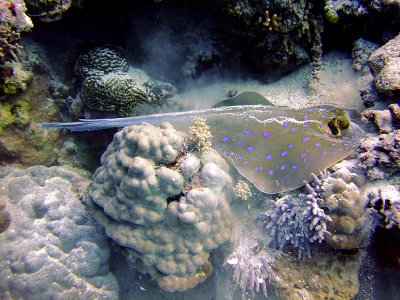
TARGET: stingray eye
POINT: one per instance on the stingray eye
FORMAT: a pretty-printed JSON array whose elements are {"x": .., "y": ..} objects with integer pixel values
[
  {"x": 333, "y": 127},
  {"x": 343, "y": 122}
]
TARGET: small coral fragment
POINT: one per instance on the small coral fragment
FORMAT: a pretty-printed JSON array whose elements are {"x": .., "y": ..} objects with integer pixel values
[
  {"x": 200, "y": 134},
  {"x": 242, "y": 190}
]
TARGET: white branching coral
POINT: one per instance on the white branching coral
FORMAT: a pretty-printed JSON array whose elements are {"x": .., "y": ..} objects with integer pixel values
[
  {"x": 200, "y": 134},
  {"x": 242, "y": 190},
  {"x": 252, "y": 265}
]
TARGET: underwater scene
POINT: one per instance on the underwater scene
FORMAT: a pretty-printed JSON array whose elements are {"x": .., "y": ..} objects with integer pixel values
[{"x": 203, "y": 150}]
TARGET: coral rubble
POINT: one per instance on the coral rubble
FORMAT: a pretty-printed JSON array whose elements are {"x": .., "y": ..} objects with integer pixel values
[
  {"x": 166, "y": 207},
  {"x": 53, "y": 248}
]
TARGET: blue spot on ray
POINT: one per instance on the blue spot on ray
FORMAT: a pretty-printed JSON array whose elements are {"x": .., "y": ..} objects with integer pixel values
[
  {"x": 225, "y": 139},
  {"x": 269, "y": 156},
  {"x": 248, "y": 132},
  {"x": 266, "y": 134},
  {"x": 305, "y": 139},
  {"x": 250, "y": 148},
  {"x": 284, "y": 153}
]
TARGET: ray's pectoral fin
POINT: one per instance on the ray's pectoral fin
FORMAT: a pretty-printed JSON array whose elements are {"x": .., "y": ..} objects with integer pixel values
[{"x": 279, "y": 154}]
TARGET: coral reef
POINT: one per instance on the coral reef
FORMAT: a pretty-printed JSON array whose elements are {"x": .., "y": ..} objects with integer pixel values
[
  {"x": 14, "y": 114},
  {"x": 379, "y": 155},
  {"x": 21, "y": 139},
  {"x": 293, "y": 30},
  {"x": 53, "y": 248},
  {"x": 166, "y": 207},
  {"x": 385, "y": 66},
  {"x": 5, "y": 218},
  {"x": 200, "y": 135},
  {"x": 112, "y": 92},
  {"x": 386, "y": 200},
  {"x": 343, "y": 196},
  {"x": 101, "y": 60},
  {"x": 13, "y": 21},
  {"x": 296, "y": 220},
  {"x": 252, "y": 264},
  {"x": 362, "y": 49},
  {"x": 49, "y": 10},
  {"x": 330, "y": 275},
  {"x": 16, "y": 77},
  {"x": 109, "y": 87}
]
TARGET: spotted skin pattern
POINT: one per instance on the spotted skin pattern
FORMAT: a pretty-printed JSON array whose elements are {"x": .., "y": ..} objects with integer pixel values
[{"x": 278, "y": 149}]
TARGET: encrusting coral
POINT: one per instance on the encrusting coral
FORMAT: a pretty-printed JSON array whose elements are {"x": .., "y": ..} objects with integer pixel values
[
  {"x": 53, "y": 248},
  {"x": 168, "y": 208},
  {"x": 386, "y": 200},
  {"x": 49, "y": 10},
  {"x": 379, "y": 155},
  {"x": 343, "y": 196},
  {"x": 385, "y": 66}
]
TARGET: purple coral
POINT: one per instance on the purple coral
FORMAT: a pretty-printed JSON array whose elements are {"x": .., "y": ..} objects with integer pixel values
[{"x": 296, "y": 219}]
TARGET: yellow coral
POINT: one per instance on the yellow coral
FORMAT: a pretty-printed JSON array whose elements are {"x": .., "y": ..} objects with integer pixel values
[
  {"x": 200, "y": 134},
  {"x": 272, "y": 22}
]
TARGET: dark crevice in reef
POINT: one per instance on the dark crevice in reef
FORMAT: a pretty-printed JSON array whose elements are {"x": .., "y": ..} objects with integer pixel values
[{"x": 380, "y": 270}]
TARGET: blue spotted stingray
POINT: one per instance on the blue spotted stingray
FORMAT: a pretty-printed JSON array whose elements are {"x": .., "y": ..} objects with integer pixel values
[{"x": 276, "y": 148}]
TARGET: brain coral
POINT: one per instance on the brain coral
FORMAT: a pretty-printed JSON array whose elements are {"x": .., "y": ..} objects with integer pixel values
[
  {"x": 166, "y": 206},
  {"x": 112, "y": 92},
  {"x": 52, "y": 248},
  {"x": 101, "y": 60}
]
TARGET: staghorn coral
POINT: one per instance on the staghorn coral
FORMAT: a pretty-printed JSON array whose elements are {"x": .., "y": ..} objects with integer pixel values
[
  {"x": 166, "y": 207},
  {"x": 112, "y": 92},
  {"x": 53, "y": 249}
]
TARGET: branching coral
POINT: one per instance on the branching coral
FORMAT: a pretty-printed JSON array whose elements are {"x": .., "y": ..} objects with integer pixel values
[
  {"x": 200, "y": 134},
  {"x": 13, "y": 21},
  {"x": 242, "y": 190},
  {"x": 252, "y": 264},
  {"x": 166, "y": 206},
  {"x": 296, "y": 220}
]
